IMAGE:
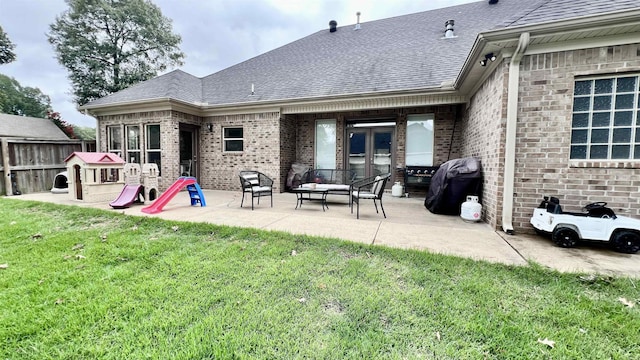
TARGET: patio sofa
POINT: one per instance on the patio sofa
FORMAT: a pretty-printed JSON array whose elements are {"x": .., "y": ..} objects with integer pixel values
[{"x": 337, "y": 181}]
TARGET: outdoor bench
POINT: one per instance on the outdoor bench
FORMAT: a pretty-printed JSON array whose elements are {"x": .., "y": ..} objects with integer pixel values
[{"x": 337, "y": 181}]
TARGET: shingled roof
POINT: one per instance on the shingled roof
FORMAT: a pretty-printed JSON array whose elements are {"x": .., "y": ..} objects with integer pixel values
[
  {"x": 26, "y": 127},
  {"x": 394, "y": 54}
]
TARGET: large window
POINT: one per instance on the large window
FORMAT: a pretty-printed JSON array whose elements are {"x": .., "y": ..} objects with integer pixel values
[
  {"x": 114, "y": 134},
  {"x": 325, "y": 144},
  {"x": 605, "y": 123},
  {"x": 153, "y": 146},
  {"x": 419, "y": 140},
  {"x": 232, "y": 139},
  {"x": 133, "y": 144}
]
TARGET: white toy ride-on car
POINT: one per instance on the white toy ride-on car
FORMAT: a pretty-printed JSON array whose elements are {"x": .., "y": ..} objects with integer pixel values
[{"x": 596, "y": 223}]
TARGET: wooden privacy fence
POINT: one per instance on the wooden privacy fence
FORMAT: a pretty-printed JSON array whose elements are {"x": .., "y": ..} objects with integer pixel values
[{"x": 33, "y": 164}]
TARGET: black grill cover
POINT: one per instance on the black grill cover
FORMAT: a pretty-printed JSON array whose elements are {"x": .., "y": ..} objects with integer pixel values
[{"x": 451, "y": 184}]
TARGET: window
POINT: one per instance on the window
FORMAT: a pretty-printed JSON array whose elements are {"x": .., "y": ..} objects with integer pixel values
[
  {"x": 133, "y": 144},
  {"x": 419, "y": 140},
  {"x": 114, "y": 134},
  {"x": 605, "y": 123},
  {"x": 232, "y": 139},
  {"x": 109, "y": 175},
  {"x": 325, "y": 144},
  {"x": 153, "y": 146}
]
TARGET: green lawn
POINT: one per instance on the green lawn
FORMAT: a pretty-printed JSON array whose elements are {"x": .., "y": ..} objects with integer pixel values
[{"x": 82, "y": 283}]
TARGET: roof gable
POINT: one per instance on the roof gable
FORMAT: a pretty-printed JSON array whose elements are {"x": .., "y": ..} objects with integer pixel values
[{"x": 95, "y": 158}]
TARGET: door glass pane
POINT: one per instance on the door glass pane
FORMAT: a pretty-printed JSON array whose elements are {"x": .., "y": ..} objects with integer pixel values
[
  {"x": 325, "y": 144},
  {"x": 357, "y": 153},
  {"x": 419, "y": 140},
  {"x": 381, "y": 152}
]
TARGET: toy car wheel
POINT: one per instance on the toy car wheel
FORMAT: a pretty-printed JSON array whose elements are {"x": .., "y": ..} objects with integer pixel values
[
  {"x": 565, "y": 237},
  {"x": 626, "y": 242}
]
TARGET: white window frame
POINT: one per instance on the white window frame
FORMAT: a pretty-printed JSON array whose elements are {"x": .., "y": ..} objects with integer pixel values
[
  {"x": 133, "y": 143},
  {"x": 226, "y": 139},
  {"x": 114, "y": 139},
  {"x": 598, "y": 112},
  {"x": 325, "y": 151},
  {"x": 148, "y": 149},
  {"x": 414, "y": 158}
]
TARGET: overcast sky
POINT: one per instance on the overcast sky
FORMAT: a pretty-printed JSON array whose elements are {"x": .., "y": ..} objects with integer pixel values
[{"x": 215, "y": 34}]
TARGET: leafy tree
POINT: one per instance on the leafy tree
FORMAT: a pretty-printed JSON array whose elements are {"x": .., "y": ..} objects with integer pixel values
[
  {"x": 84, "y": 132},
  {"x": 108, "y": 45},
  {"x": 61, "y": 124},
  {"x": 18, "y": 100},
  {"x": 6, "y": 48}
]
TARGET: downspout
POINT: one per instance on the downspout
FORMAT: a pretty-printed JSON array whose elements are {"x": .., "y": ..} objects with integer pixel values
[{"x": 510, "y": 141}]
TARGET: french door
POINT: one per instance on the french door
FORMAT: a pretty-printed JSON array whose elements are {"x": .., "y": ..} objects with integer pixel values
[{"x": 370, "y": 150}]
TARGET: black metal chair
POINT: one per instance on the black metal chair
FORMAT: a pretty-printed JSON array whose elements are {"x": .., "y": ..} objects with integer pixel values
[
  {"x": 257, "y": 184},
  {"x": 371, "y": 188}
]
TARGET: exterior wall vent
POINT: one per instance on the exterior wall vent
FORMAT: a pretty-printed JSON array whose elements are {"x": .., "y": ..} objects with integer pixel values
[
  {"x": 333, "y": 26},
  {"x": 448, "y": 32}
]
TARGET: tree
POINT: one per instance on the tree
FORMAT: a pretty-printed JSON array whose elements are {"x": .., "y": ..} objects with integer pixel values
[
  {"x": 6, "y": 48},
  {"x": 108, "y": 45},
  {"x": 25, "y": 101},
  {"x": 61, "y": 124}
]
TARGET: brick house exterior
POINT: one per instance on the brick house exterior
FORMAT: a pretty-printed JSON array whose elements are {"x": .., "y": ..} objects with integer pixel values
[{"x": 516, "y": 112}]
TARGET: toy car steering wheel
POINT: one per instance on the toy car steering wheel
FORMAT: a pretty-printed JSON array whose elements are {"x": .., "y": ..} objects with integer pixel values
[{"x": 595, "y": 205}]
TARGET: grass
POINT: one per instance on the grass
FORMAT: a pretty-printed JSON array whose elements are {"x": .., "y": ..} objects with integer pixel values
[{"x": 84, "y": 284}]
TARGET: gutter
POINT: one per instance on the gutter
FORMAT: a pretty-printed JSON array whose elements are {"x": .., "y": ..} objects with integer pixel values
[{"x": 510, "y": 141}]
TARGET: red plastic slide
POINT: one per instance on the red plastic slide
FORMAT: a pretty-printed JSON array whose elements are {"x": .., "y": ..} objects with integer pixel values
[
  {"x": 128, "y": 195},
  {"x": 166, "y": 196}
]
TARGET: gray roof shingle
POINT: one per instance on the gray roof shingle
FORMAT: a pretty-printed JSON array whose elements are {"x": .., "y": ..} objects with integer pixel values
[
  {"x": 398, "y": 53},
  {"x": 25, "y": 127}
]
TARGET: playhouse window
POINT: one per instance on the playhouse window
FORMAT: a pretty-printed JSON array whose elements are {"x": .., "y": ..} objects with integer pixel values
[
  {"x": 606, "y": 118},
  {"x": 109, "y": 175}
]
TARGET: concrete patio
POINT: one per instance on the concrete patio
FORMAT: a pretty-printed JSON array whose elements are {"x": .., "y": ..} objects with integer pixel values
[{"x": 408, "y": 225}]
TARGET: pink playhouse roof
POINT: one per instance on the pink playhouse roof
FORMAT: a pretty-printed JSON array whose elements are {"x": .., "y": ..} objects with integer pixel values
[{"x": 96, "y": 158}]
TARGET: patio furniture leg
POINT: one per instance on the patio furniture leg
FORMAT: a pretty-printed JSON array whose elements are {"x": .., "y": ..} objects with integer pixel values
[
  {"x": 374, "y": 204},
  {"x": 251, "y": 201},
  {"x": 242, "y": 202},
  {"x": 271, "y": 199},
  {"x": 382, "y": 207}
]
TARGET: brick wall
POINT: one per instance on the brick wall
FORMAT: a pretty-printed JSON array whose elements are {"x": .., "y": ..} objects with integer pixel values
[
  {"x": 443, "y": 130},
  {"x": 168, "y": 130},
  {"x": 288, "y": 141},
  {"x": 482, "y": 136},
  {"x": 544, "y": 132},
  {"x": 262, "y": 137}
]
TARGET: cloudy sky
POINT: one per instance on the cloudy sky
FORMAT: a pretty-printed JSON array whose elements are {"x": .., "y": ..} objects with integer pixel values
[{"x": 215, "y": 34}]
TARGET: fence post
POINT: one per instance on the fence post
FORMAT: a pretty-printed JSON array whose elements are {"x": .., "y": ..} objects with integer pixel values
[{"x": 7, "y": 169}]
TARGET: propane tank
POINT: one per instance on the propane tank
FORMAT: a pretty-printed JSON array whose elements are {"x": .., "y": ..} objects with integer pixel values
[
  {"x": 396, "y": 189},
  {"x": 471, "y": 210}
]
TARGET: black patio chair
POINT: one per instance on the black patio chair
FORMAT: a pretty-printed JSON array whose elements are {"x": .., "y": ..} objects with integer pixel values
[
  {"x": 257, "y": 184},
  {"x": 371, "y": 188}
]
